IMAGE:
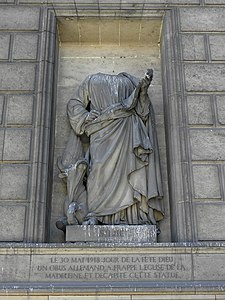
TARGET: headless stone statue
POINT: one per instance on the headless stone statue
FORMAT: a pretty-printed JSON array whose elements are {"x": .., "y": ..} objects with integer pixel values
[{"x": 117, "y": 180}]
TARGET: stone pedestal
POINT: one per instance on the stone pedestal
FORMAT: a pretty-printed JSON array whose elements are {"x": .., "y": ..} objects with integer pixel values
[{"x": 111, "y": 233}]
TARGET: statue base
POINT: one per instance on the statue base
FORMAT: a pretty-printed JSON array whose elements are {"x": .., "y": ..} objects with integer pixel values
[{"x": 111, "y": 233}]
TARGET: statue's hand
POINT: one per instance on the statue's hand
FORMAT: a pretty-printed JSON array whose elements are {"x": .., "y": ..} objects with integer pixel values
[
  {"x": 146, "y": 81},
  {"x": 92, "y": 115}
]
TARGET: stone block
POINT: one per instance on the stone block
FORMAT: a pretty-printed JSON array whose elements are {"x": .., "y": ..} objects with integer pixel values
[
  {"x": 19, "y": 17},
  {"x": 14, "y": 182},
  {"x": 204, "y": 77},
  {"x": 193, "y": 47},
  {"x": 207, "y": 144},
  {"x": 206, "y": 182},
  {"x": 217, "y": 45},
  {"x": 25, "y": 46},
  {"x": 97, "y": 297},
  {"x": 220, "y": 102},
  {"x": 20, "y": 110},
  {"x": 12, "y": 264},
  {"x": 12, "y": 220},
  {"x": 25, "y": 297},
  {"x": 63, "y": 96},
  {"x": 2, "y": 136},
  {"x": 210, "y": 2},
  {"x": 174, "y": 297},
  {"x": 17, "y": 76},
  {"x": 62, "y": 130},
  {"x": 111, "y": 233},
  {"x": 68, "y": 30},
  {"x": 1, "y": 108},
  {"x": 199, "y": 110},
  {"x": 202, "y": 19},
  {"x": 17, "y": 144},
  {"x": 210, "y": 220},
  {"x": 128, "y": 265},
  {"x": 86, "y": 60},
  {"x": 4, "y": 45}
]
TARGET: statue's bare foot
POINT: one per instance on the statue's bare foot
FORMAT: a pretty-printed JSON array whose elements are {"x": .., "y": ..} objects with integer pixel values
[{"x": 90, "y": 221}]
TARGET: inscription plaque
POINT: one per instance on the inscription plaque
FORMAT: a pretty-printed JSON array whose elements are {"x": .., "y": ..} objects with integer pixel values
[
  {"x": 111, "y": 233},
  {"x": 94, "y": 267}
]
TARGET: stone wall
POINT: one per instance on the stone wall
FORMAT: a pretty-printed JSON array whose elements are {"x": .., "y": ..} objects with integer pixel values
[
  {"x": 192, "y": 69},
  {"x": 193, "y": 82},
  {"x": 25, "y": 95}
]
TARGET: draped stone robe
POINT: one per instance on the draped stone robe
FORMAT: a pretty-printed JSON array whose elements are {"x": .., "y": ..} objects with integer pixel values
[{"x": 124, "y": 181}]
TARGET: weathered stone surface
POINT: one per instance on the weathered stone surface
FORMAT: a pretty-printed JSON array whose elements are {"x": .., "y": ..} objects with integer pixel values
[
  {"x": 12, "y": 220},
  {"x": 199, "y": 109},
  {"x": 28, "y": 298},
  {"x": 193, "y": 47},
  {"x": 17, "y": 76},
  {"x": 207, "y": 144},
  {"x": 204, "y": 77},
  {"x": 19, "y": 17},
  {"x": 202, "y": 19},
  {"x": 217, "y": 44},
  {"x": 1, "y": 108},
  {"x": 111, "y": 233},
  {"x": 20, "y": 262},
  {"x": 2, "y": 135},
  {"x": 17, "y": 144},
  {"x": 206, "y": 182},
  {"x": 25, "y": 46},
  {"x": 13, "y": 182},
  {"x": 99, "y": 297},
  {"x": 210, "y": 224},
  {"x": 220, "y": 101},
  {"x": 217, "y": 271},
  {"x": 20, "y": 109},
  {"x": 214, "y": 2},
  {"x": 4, "y": 45},
  {"x": 111, "y": 267}
]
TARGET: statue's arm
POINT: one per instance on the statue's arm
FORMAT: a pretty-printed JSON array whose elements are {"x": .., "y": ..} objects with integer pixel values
[
  {"x": 142, "y": 106},
  {"x": 77, "y": 111}
]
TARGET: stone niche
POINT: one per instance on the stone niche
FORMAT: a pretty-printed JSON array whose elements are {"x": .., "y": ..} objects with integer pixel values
[{"x": 108, "y": 45}]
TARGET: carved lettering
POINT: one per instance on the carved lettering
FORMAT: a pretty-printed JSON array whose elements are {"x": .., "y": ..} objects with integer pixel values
[{"x": 113, "y": 267}]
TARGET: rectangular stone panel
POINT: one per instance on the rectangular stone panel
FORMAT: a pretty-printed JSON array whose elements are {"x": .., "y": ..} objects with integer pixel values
[
  {"x": 89, "y": 31},
  {"x": 13, "y": 182},
  {"x": 19, "y": 110},
  {"x": 17, "y": 76},
  {"x": 111, "y": 233},
  {"x": 207, "y": 144},
  {"x": 199, "y": 110},
  {"x": 202, "y": 19},
  {"x": 193, "y": 47},
  {"x": 19, "y": 264},
  {"x": 4, "y": 45},
  {"x": 19, "y": 17},
  {"x": 204, "y": 77},
  {"x": 27, "y": 297},
  {"x": 17, "y": 144},
  {"x": 1, "y": 108},
  {"x": 111, "y": 267},
  {"x": 217, "y": 46},
  {"x": 210, "y": 220},
  {"x": 12, "y": 220},
  {"x": 220, "y": 103},
  {"x": 2, "y": 136},
  {"x": 25, "y": 46},
  {"x": 206, "y": 181},
  {"x": 208, "y": 268}
]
